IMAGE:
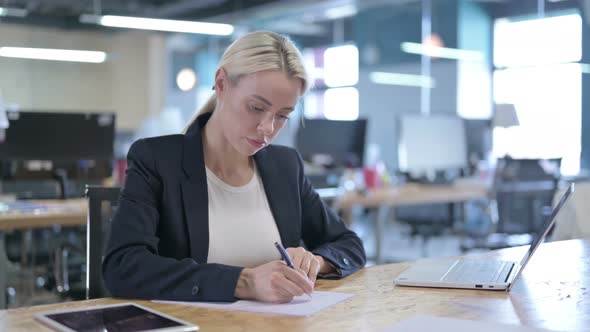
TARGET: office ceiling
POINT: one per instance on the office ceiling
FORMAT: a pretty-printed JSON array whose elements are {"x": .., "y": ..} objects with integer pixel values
[
  {"x": 279, "y": 15},
  {"x": 66, "y": 12}
]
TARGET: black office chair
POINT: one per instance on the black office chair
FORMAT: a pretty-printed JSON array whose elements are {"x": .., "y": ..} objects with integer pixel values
[
  {"x": 426, "y": 220},
  {"x": 102, "y": 202},
  {"x": 523, "y": 192}
]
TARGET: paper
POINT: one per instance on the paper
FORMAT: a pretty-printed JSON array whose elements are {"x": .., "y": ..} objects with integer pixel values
[
  {"x": 440, "y": 324},
  {"x": 300, "y": 306}
]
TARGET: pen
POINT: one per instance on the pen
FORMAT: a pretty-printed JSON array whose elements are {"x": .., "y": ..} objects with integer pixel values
[{"x": 286, "y": 257}]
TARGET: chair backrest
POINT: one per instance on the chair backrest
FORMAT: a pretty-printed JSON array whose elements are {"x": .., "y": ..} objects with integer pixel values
[
  {"x": 102, "y": 202},
  {"x": 524, "y": 189}
]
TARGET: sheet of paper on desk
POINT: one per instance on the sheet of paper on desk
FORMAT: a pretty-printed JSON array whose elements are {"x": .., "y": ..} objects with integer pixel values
[
  {"x": 300, "y": 306},
  {"x": 441, "y": 324}
]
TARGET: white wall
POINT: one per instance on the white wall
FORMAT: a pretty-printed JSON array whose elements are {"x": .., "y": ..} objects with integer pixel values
[{"x": 130, "y": 83}]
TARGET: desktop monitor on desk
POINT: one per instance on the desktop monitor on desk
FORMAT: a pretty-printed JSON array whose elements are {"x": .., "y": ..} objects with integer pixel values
[
  {"x": 337, "y": 144},
  {"x": 332, "y": 145},
  {"x": 431, "y": 144},
  {"x": 55, "y": 146},
  {"x": 58, "y": 136}
]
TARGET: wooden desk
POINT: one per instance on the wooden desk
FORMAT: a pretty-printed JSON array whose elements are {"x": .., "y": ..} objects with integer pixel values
[
  {"x": 412, "y": 194},
  {"x": 553, "y": 293},
  {"x": 409, "y": 194},
  {"x": 71, "y": 212},
  {"x": 55, "y": 212}
]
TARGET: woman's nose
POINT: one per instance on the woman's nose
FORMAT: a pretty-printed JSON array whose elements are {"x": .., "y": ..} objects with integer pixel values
[{"x": 266, "y": 124}]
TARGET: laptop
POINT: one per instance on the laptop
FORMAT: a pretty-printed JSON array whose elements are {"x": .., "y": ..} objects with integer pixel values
[{"x": 476, "y": 273}]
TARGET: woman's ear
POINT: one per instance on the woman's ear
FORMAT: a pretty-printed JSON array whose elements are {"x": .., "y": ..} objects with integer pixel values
[{"x": 221, "y": 81}]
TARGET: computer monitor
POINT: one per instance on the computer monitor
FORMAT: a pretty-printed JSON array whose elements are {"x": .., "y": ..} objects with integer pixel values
[
  {"x": 336, "y": 144},
  {"x": 58, "y": 136},
  {"x": 428, "y": 144},
  {"x": 73, "y": 148}
]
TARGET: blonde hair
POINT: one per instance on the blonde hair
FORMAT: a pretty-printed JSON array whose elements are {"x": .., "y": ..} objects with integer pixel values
[{"x": 254, "y": 52}]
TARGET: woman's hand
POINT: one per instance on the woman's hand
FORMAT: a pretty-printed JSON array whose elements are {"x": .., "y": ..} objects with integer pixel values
[
  {"x": 309, "y": 263},
  {"x": 272, "y": 282}
]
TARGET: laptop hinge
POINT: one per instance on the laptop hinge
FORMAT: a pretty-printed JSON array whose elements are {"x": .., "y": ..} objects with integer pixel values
[{"x": 509, "y": 272}]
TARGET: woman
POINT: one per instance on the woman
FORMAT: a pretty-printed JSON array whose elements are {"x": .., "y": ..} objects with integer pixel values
[{"x": 199, "y": 213}]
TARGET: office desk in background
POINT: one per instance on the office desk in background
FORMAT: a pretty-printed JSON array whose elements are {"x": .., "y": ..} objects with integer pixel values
[
  {"x": 552, "y": 293},
  {"x": 36, "y": 214},
  {"x": 383, "y": 199},
  {"x": 44, "y": 213}
]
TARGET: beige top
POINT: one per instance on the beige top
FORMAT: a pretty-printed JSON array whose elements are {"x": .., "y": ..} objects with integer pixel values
[{"x": 242, "y": 229}]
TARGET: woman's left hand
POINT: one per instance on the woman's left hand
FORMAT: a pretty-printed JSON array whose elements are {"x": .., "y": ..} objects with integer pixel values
[{"x": 308, "y": 263}]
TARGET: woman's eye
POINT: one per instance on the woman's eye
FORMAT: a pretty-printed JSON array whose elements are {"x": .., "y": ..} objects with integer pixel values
[{"x": 257, "y": 109}]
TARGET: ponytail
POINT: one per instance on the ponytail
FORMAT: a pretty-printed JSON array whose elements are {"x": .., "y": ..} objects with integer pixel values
[{"x": 209, "y": 107}]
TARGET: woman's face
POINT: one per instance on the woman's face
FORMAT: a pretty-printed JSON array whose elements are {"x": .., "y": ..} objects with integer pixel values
[{"x": 254, "y": 109}]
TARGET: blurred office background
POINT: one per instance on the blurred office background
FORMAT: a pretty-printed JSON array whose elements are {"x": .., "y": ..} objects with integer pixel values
[{"x": 476, "y": 112}]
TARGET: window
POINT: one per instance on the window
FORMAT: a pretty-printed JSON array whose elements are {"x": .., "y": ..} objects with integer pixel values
[
  {"x": 537, "y": 71},
  {"x": 334, "y": 73}
]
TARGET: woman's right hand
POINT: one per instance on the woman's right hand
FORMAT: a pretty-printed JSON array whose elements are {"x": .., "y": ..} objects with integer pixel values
[{"x": 272, "y": 282}]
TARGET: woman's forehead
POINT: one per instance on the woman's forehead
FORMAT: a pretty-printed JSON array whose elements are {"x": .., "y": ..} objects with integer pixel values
[{"x": 270, "y": 85}]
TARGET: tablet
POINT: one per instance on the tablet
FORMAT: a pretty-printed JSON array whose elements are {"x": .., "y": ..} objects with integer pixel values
[{"x": 117, "y": 317}]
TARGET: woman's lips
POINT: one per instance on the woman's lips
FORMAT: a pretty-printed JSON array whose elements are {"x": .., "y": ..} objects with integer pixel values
[{"x": 256, "y": 143}]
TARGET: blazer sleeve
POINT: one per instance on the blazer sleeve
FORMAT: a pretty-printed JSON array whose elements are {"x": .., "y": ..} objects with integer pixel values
[
  {"x": 132, "y": 266},
  {"x": 324, "y": 232}
]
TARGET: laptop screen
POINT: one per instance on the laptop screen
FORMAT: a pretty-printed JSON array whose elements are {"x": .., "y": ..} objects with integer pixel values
[{"x": 546, "y": 228}]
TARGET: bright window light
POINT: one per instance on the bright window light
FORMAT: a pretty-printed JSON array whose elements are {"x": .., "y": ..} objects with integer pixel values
[
  {"x": 53, "y": 54},
  {"x": 341, "y": 104},
  {"x": 539, "y": 41},
  {"x": 159, "y": 24},
  {"x": 548, "y": 100},
  {"x": 341, "y": 66},
  {"x": 545, "y": 87},
  {"x": 474, "y": 92}
]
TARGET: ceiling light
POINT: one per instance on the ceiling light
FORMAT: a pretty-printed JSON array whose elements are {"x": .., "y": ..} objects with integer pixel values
[
  {"x": 340, "y": 12},
  {"x": 441, "y": 52},
  {"x": 402, "y": 79},
  {"x": 159, "y": 24},
  {"x": 13, "y": 12},
  {"x": 53, "y": 54},
  {"x": 186, "y": 79}
]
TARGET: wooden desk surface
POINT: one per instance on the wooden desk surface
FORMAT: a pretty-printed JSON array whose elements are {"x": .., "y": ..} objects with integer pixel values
[
  {"x": 411, "y": 193},
  {"x": 553, "y": 293},
  {"x": 70, "y": 212}
]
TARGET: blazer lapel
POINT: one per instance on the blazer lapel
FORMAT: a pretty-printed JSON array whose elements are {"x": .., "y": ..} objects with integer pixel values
[
  {"x": 277, "y": 198},
  {"x": 194, "y": 192}
]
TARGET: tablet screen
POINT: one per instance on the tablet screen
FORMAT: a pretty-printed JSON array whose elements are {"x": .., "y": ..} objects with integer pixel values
[{"x": 127, "y": 317}]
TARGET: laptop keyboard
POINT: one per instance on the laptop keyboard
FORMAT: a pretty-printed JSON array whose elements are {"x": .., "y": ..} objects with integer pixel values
[{"x": 478, "y": 271}]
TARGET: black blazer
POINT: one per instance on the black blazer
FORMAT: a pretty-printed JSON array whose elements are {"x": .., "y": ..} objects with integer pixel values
[{"x": 159, "y": 238}]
